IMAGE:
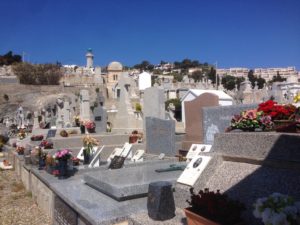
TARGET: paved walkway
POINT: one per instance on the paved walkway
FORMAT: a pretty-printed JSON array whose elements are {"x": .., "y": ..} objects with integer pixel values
[{"x": 16, "y": 205}]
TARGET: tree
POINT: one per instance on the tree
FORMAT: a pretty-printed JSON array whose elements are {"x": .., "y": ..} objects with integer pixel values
[
  {"x": 277, "y": 78},
  {"x": 229, "y": 82},
  {"x": 38, "y": 74},
  {"x": 197, "y": 75},
  {"x": 252, "y": 78},
  {"x": 9, "y": 59},
  {"x": 145, "y": 65}
]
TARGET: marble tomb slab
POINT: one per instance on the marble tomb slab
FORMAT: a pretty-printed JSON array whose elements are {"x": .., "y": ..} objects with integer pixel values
[{"x": 132, "y": 182}]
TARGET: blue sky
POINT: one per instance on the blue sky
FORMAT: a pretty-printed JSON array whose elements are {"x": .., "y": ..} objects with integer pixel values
[{"x": 235, "y": 33}]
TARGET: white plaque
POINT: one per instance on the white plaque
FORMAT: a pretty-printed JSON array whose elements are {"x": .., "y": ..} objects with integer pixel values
[
  {"x": 193, "y": 170},
  {"x": 96, "y": 160},
  {"x": 196, "y": 149},
  {"x": 126, "y": 149},
  {"x": 137, "y": 157}
]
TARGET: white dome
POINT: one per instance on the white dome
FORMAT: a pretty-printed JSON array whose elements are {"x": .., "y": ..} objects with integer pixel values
[{"x": 115, "y": 66}]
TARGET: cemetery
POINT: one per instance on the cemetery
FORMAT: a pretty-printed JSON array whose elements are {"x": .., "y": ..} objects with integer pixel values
[{"x": 114, "y": 164}]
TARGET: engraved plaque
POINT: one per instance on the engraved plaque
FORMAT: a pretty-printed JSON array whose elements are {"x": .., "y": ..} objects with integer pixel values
[
  {"x": 51, "y": 133},
  {"x": 117, "y": 162}
]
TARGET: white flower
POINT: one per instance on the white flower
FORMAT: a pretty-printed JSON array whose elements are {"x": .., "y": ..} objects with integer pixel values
[
  {"x": 257, "y": 213},
  {"x": 290, "y": 210}
]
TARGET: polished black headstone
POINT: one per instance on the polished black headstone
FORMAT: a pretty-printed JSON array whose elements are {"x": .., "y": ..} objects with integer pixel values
[
  {"x": 117, "y": 162},
  {"x": 160, "y": 202}
]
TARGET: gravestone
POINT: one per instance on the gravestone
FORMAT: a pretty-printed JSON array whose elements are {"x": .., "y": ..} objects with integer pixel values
[
  {"x": 66, "y": 114},
  {"x": 35, "y": 120},
  {"x": 100, "y": 118},
  {"x": 84, "y": 105},
  {"x": 197, "y": 149},
  {"x": 160, "y": 136},
  {"x": 60, "y": 115},
  {"x": 51, "y": 133},
  {"x": 154, "y": 103},
  {"x": 194, "y": 118},
  {"x": 217, "y": 119},
  {"x": 63, "y": 214}
]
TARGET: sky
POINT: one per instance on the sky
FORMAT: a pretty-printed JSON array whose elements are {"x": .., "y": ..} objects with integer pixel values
[{"x": 233, "y": 33}]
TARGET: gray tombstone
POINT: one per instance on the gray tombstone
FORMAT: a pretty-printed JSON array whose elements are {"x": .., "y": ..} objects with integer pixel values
[
  {"x": 66, "y": 114},
  {"x": 217, "y": 119},
  {"x": 100, "y": 118},
  {"x": 154, "y": 103},
  {"x": 84, "y": 105},
  {"x": 160, "y": 136}
]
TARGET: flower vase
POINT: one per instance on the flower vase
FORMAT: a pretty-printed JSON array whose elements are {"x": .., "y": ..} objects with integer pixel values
[
  {"x": 42, "y": 163},
  {"x": 82, "y": 129},
  {"x": 63, "y": 168},
  {"x": 91, "y": 130},
  {"x": 86, "y": 156}
]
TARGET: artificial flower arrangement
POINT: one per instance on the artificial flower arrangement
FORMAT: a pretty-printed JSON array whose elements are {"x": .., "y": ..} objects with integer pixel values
[
  {"x": 21, "y": 134},
  {"x": 64, "y": 133},
  {"x": 20, "y": 150},
  {"x": 265, "y": 117},
  {"x": 37, "y": 137},
  {"x": 77, "y": 120},
  {"x": 215, "y": 207},
  {"x": 46, "y": 144},
  {"x": 277, "y": 209},
  {"x": 89, "y": 124},
  {"x": 89, "y": 142},
  {"x": 75, "y": 161},
  {"x": 62, "y": 155}
]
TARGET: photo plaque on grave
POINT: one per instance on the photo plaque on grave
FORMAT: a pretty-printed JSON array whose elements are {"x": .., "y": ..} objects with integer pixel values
[{"x": 117, "y": 162}]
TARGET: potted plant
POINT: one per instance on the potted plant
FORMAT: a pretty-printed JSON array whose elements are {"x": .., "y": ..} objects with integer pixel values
[
  {"x": 77, "y": 120},
  {"x": 21, "y": 134},
  {"x": 88, "y": 143},
  {"x": 213, "y": 208},
  {"x": 62, "y": 157},
  {"x": 281, "y": 114},
  {"x": 90, "y": 126},
  {"x": 46, "y": 144},
  {"x": 277, "y": 209}
]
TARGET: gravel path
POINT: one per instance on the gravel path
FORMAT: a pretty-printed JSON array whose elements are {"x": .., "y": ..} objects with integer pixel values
[{"x": 16, "y": 205}]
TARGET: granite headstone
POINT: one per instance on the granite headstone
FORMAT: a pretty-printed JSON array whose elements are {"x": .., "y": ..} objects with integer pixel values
[{"x": 160, "y": 136}]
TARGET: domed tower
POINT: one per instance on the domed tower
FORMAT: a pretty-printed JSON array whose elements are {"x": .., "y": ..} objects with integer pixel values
[
  {"x": 89, "y": 58},
  {"x": 114, "y": 69}
]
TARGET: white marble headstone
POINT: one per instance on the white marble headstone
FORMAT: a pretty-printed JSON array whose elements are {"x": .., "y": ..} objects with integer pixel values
[{"x": 138, "y": 156}]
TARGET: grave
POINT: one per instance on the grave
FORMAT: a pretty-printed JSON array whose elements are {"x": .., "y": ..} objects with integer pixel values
[
  {"x": 194, "y": 118},
  {"x": 217, "y": 119},
  {"x": 154, "y": 103},
  {"x": 160, "y": 136},
  {"x": 131, "y": 182},
  {"x": 246, "y": 166},
  {"x": 84, "y": 105},
  {"x": 100, "y": 118}
]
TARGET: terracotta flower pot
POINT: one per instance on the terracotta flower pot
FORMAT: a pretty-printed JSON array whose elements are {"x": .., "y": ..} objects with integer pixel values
[{"x": 195, "y": 219}]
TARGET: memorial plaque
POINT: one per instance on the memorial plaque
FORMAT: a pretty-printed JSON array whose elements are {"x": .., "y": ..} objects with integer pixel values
[
  {"x": 51, "y": 133},
  {"x": 193, "y": 170},
  {"x": 97, "y": 118},
  {"x": 63, "y": 214},
  {"x": 116, "y": 152},
  {"x": 126, "y": 149},
  {"x": 196, "y": 149},
  {"x": 117, "y": 162},
  {"x": 96, "y": 159},
  {"x": 138, "y": 156}
]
